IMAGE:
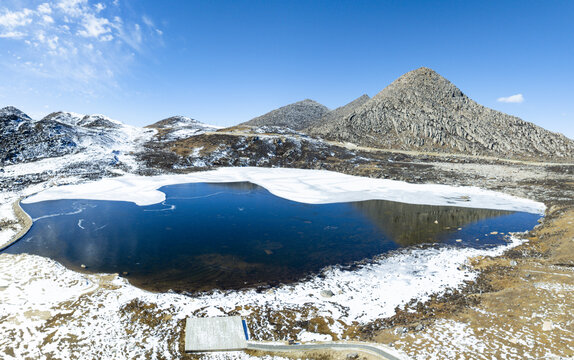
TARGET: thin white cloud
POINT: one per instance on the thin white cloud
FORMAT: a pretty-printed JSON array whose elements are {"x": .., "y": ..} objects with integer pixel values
[
  {"x": 13, "y": 19},
  {"x": 48, "y": 19},
  {"x": 74, "y": 8},
  {"x": 74, "y": 43},
  {"x": 45, "y": 8},
  {"x": 515, "y": 99},
  {"x": 95, "y": 27},
  {"x": 146, "y": 20},
  {"x": 12, "y": 35},
  {"x": 99, "y": 7}
]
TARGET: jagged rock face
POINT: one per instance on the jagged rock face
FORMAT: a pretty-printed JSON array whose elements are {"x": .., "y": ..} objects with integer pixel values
[
  {"x": 179, "y": 127},
  {"x": 296, "y": 116},
  {"x": 343, "y": 111},
  {"x": 22, "y": 139},
  {"x": 423, "y": 111}
]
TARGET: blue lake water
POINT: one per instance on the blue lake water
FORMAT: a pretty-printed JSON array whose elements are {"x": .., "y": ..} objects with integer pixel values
[{"x": 237, "y": 235}]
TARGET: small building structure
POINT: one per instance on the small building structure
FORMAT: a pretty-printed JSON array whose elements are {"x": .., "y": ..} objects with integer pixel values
[{"x": 215, "y": 334}]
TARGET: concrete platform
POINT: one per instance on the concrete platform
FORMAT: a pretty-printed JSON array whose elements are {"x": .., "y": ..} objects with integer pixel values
[{"x": 215, "y": 334}]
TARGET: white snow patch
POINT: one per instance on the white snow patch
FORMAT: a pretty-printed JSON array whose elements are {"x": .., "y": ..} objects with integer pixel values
[{"x": 310, "y": 336}]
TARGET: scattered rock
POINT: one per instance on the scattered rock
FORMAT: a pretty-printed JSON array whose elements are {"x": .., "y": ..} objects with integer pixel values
[
  {"x": 401, "y": 330},
  {"x": 513, "y": 263},
  {"x": 125, "y": 273},
  {"x": 327, "y": 293},
  {"x": 419, "y": 327},
  {"x": 352, "y": 356},
  {"x": 83, "y": 266},
  {"x": 547, "y": 325}
]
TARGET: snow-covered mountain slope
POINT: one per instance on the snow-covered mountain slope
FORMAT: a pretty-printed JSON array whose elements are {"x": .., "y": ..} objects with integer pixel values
[
  {"x": 63, "y": 133},
  {"x": 180, "y": 127},
  {"x": 86, "y": 121}
]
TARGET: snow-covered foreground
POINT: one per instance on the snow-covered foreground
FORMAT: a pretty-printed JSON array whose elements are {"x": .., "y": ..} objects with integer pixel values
[
  {"x": 48, "y": 310},
  {"x": 306, "y": 186}
]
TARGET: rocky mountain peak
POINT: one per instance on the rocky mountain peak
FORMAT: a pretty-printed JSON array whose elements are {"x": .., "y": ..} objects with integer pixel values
[
  {"x": 180, "y": 127},
  {"x": 174, "y": 121},
  {"x": 14, "y": 113},
  {"x": 296, "y": 116},
  {"x": 423, "y": 111},
  {"x": 422, "y": 83},
  {"x": 64, "y": 117},
  {"x": 99, "y": 121}
]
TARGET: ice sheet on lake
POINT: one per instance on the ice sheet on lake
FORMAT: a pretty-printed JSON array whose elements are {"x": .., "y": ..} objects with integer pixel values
[{"x": 306, "y": 186}]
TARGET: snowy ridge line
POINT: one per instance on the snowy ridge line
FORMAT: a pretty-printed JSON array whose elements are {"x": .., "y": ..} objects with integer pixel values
[{"x": 305, "y": 186}]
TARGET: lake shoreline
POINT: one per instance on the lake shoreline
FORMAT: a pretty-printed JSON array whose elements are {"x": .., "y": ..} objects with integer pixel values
[{"x": 23, "y": 220}]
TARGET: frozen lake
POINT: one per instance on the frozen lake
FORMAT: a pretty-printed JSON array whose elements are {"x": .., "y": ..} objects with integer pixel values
[{"x": 236, "y": 235}]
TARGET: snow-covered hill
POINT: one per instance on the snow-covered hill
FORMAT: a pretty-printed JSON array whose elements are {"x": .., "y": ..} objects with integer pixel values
[
  {"x": 180, "y": 127},
  {"x": 23, "y": 139}
]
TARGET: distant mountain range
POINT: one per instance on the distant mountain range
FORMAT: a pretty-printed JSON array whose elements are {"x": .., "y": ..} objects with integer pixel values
[{"x": 420, "y": 111}]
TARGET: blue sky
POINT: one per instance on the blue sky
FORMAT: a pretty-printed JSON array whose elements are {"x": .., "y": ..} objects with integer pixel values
[{"x": 223, "y": 62}]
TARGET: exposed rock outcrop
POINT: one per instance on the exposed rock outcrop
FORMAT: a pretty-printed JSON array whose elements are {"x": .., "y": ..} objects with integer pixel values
[
  {"x": 423, "y": 111},
  {"x": 296, "y": 116},
  {"x": 342, "y": 111}
]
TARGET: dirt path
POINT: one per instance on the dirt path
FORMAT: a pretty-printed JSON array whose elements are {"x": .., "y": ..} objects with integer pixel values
[{"x": 379, "y": 352}]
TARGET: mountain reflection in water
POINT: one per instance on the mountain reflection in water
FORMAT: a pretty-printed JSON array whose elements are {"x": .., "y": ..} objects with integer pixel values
[
  {"x": 411, "y": 224},
  {"x": 230, "y": 236}
]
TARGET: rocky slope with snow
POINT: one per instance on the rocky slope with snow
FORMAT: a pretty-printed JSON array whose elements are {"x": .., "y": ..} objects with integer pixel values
[
  {"x": 296, "y": 116},
  {"x": 23, "y": 140},
  {"x": 180, "y": 127},
  {"x": 423, "y": 111},
  {"x": 63, "y": 133}
]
